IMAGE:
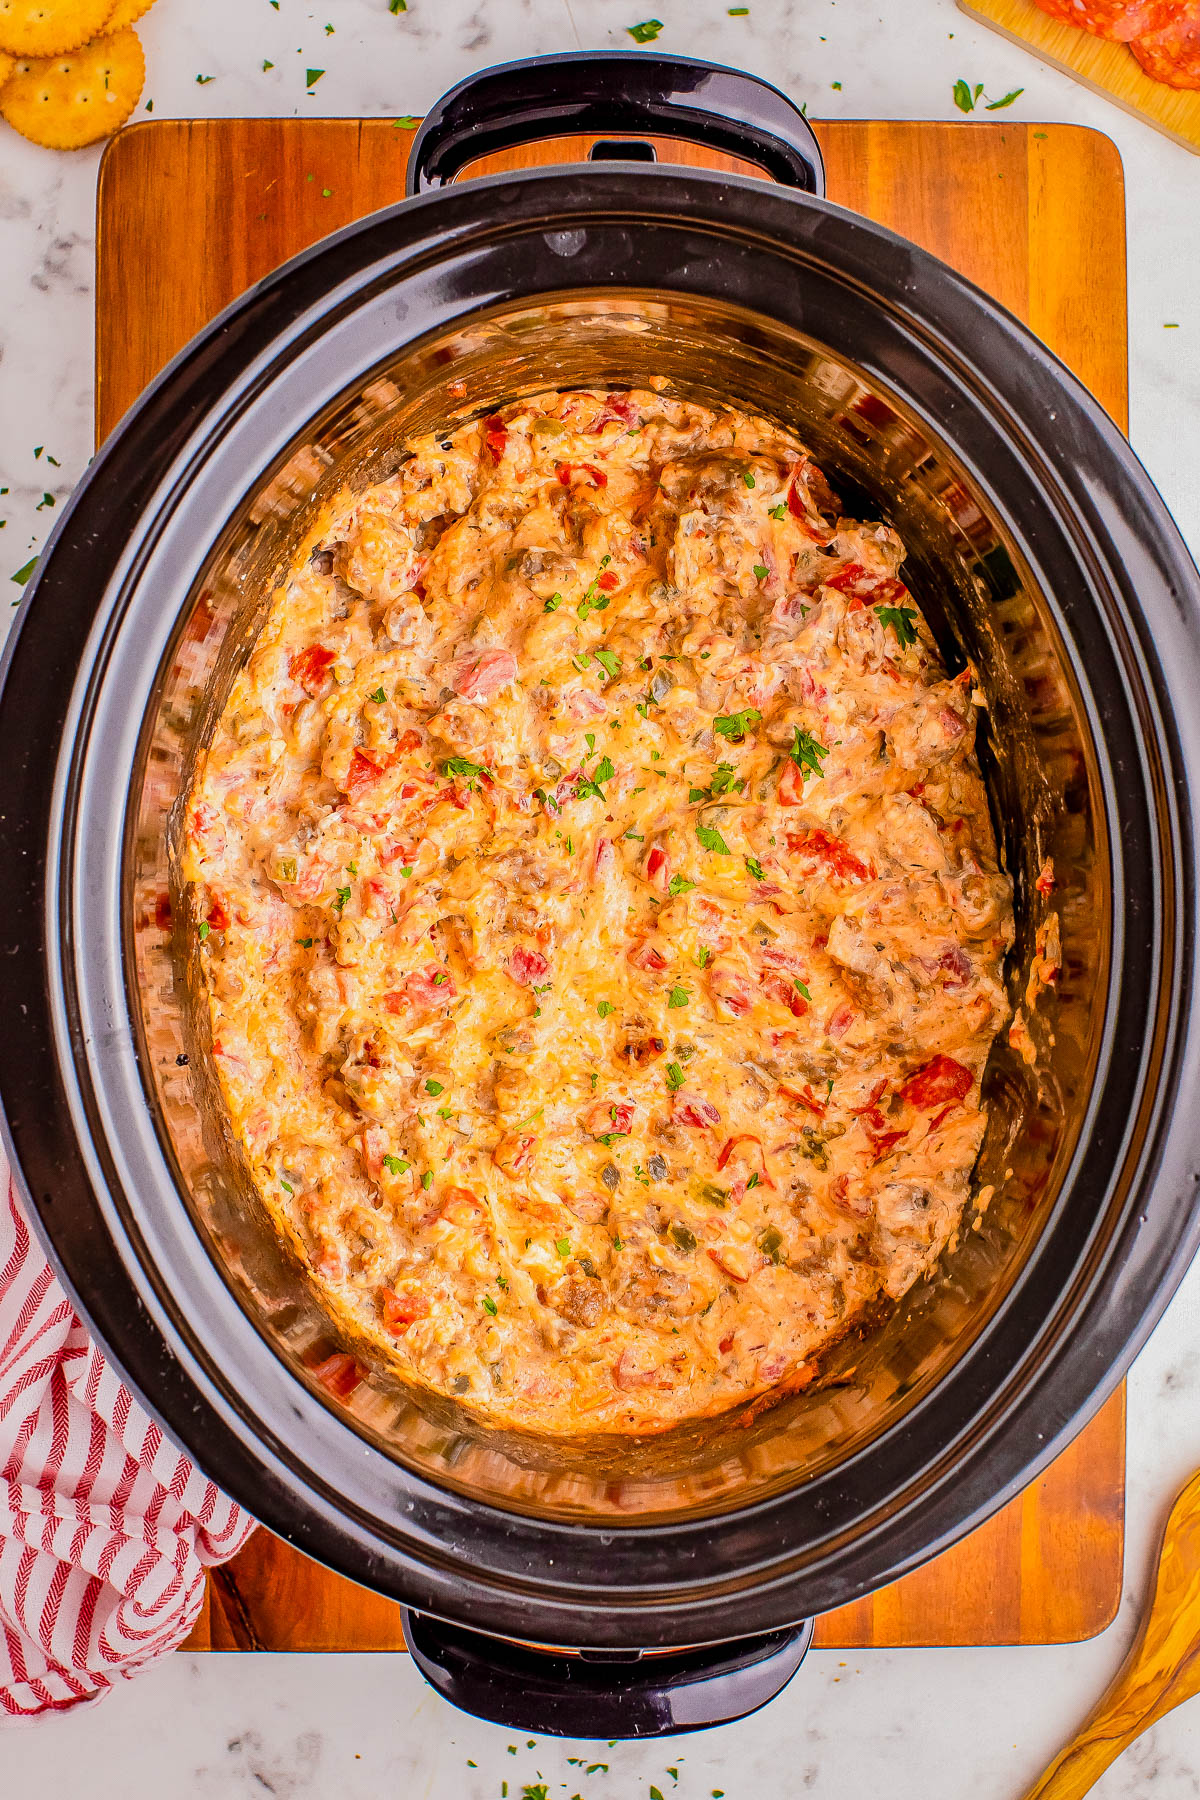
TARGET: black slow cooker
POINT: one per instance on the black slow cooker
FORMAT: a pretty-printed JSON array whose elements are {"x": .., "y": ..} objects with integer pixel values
[{"x": 669, "y": 1576}]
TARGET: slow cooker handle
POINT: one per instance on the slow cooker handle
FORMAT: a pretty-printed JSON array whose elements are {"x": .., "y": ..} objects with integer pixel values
[
  {"x": 624, "y": 93},
  {"x": 603, "y": 1694}
]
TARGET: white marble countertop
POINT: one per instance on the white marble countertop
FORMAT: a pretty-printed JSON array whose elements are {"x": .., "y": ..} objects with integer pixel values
[{"x": 937, "y": 1724}]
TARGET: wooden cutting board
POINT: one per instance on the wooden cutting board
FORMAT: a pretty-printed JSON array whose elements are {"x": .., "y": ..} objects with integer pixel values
[
  {"x": 1107, "y": 68},
  {"x": 191, "y": 213}
]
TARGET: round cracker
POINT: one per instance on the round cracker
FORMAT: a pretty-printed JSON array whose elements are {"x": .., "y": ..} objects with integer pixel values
[
  {"x": 48, "y": 27},
  {"x": 63, "y": 102},
  {"x": 127, "y": 12}
]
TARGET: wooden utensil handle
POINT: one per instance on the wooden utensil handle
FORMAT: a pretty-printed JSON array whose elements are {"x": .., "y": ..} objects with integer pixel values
[{"x": 1161, "y": 1670}]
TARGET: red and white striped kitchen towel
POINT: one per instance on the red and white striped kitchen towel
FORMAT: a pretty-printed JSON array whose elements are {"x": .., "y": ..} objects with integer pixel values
[{"x": 105, "y": 1528}]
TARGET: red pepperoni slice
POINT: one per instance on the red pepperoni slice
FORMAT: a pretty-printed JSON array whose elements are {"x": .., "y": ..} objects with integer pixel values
[
  {"x": 1173, "y": 53},
  {"x": 481, "y": 677},
  {"x": 1119, "y": 19},
  {"x": 941, "y": 1082}
]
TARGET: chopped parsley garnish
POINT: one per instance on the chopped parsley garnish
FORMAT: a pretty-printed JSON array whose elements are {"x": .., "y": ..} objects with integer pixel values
[
  {"x": 646, "y": 32},
  {"x": 724, "y": 777},
  {"x": 590, "y": 603},
  {"x": 965, "y": 97},
  {"x": 900, "y": 618},
  {"x": 427, "y": 1180},
  {"x": 703, "y": 957},
  {"x": 435, "y": 1088},
  {"x": 995, "y": 105},
  {"x": 406, "y": 871},
  {"x": 311, "y": 78},
  {"x": 378, "y": 696},
  {"x": 679, "y": 884},
  {"x": 305, "y": 943},
  {"x": 734, "y": 726},
  {"x": 800, "y": 987},
  {"x": 395, "y": 1166},
  {"x": 761, "y": 571},
  {"x": 589, "y": 738},
  {"x": 779, "y": 512},
  {"x": 489, "y": 1305},
  {"x": 748, "y": 478},
  {"x": 563, "y": 1246},
  {"x": 343, "y": 894},
  {"x": 755, "y": 868},
  {"x": 205, "y": 928},
  {"x": 807, "y": 754},
  {"x": 674, "y": 1076},
  {"x": 460, "y": 765},
  {"x": 604, "y": 1007},
  {"x": 678, "y": 996},
  {"x": 610, "y": 663},
  {"x": 711, "y": 839},
  {"x": 439, "y": 979},
  {"x": 24, "y": 572},
  {"x": 553, "y": 603},
  {"x": 286, "y": 1186}
]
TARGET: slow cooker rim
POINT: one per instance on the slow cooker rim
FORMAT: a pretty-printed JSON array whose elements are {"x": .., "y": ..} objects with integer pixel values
[{"x": 438, "y": 200}]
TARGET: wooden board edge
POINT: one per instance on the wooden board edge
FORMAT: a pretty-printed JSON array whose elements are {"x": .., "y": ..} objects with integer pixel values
[{"x": 1105, "y": 68}]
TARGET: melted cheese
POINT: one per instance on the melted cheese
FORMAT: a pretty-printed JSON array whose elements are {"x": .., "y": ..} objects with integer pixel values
[{"x": 604, "y": 925}]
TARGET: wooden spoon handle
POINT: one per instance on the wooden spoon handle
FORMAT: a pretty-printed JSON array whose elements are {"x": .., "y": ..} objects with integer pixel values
[{"x": 1161, "y": 1670}]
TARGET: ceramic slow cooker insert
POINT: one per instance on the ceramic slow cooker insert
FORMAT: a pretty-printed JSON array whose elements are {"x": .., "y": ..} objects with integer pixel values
[{"x": 1038, "y": 550}]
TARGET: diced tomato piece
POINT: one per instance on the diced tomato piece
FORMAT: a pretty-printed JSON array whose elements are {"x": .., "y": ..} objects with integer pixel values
[
  {"x": 804, "y": 1097},
  {"x": 954, "y": 965},
  {"x": 657, "y": 866},
  {"x": 566, "y": 473},
  {"x": 527, "y": 966},
  {"x": 691, "y": 1110},
  {"x": 428, "y": 987},
  {"x": 361, "y": 774},
  {"x": 837, "y": 856},
  {"x": 857, "y": 582},
  {"x": 461, "y": 1205},
  {"x": 609, "y": 1118},
  {"x": 645, "y": 956},
  {"x": 480, "y": 677},
  {"x": 311, "y": 667},
  {"x": 885, "y": 1141},
  {"x": 791, "y": 785},
  {"x": 732, "y": 990},
  {"x": 399, "y": 1310},
  {"x": 218, "y": 918},
  {"x": 604, "y": 861},
  {"x": 747, "y": 1137},
  {"x": 1045, "y": 883},
  {"x": 940, "y": 1082},
  {"x": 408, "y": 740},
  {"x": 774, "y": 985},
  {"x": 514, "y": 1152},
  {"x": 610, "y": 581},
  {"x": 840, "y": 1020},
  {"x": 726, "y": 1345},
  {"x": 495, "y": 437},
  {"x": 339, "y": 1374}
]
